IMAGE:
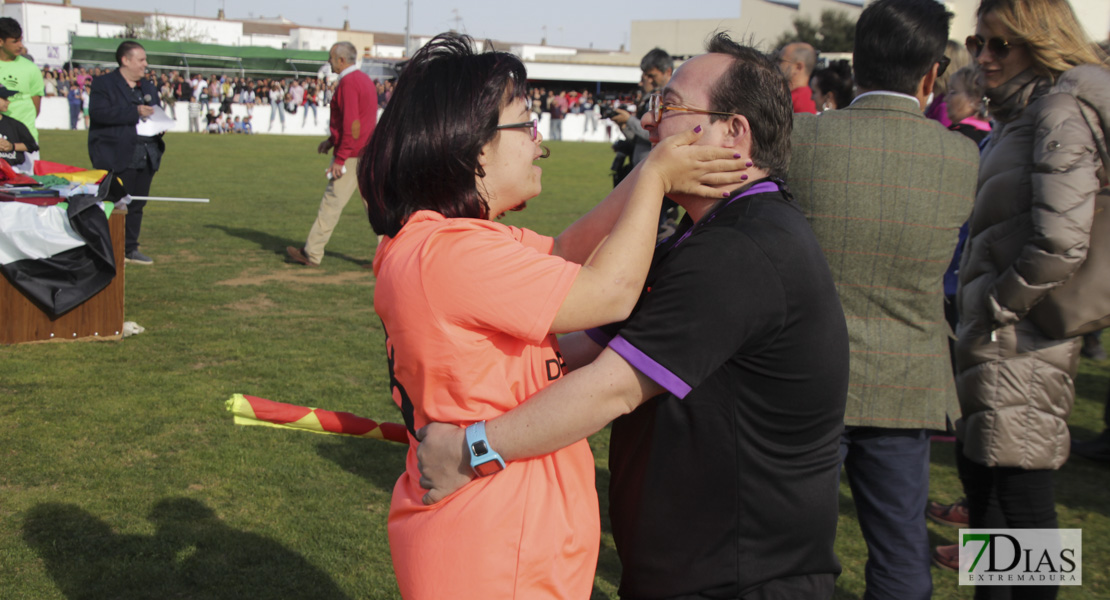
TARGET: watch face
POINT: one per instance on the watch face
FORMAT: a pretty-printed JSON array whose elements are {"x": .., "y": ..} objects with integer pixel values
[{"x": 488, "y": 468}]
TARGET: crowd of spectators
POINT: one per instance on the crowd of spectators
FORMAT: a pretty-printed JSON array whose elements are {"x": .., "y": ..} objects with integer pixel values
[
  {"x": 559, "y": 103},
  {"x": 205, "y": 94},
  {"x": 202, "y": 95},
  {"x": 218, "y": 122}
]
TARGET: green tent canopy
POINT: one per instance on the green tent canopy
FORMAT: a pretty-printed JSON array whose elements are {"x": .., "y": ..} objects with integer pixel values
[{"x": 190, "y": 56}]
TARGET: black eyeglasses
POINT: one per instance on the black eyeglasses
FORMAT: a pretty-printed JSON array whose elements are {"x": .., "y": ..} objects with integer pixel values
[
  {"x": 533, "y": 125},
  {"x": 942, "y": 65},
  {"x": 999, "y": 47}
]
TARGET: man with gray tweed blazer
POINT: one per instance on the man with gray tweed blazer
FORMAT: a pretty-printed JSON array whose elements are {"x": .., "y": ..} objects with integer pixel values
[{"x": 885, "y": 190}]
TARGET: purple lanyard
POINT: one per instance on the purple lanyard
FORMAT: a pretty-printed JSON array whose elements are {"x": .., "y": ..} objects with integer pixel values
[{"x": 759, "y": 188}]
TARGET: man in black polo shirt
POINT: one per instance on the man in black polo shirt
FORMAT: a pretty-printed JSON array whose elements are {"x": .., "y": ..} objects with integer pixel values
[{"x": 727, "y": 382}]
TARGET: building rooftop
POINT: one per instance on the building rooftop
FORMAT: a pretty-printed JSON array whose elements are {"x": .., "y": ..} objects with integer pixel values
[
  {"x": 108, "y": 15},
  {"x": 267, "y": 28}
]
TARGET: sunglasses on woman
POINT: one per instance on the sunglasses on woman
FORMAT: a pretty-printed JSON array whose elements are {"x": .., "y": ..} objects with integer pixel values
[
  {"x": 999, "y": 47},
  {"x": 533, "y": 126}
]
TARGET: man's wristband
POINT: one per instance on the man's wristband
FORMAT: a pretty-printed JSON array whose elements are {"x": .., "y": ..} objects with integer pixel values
[{"x": 483, "y": 459}]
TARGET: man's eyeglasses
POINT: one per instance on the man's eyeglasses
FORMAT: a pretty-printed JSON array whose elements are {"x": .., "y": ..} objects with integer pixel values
[
  {"x": 999, "y": 47},
  {"x": 942, "y": 65},
  {"x": 656, "y": 108},
  {"x": 533, "y": 126}
]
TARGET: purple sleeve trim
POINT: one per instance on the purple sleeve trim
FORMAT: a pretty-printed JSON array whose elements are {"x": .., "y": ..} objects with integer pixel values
[
  {"x": 598, "y": 336},
  {"x": 647, "y": 365}
]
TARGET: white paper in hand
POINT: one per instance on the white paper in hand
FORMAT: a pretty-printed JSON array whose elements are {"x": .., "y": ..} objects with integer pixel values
[{"x": 159, "y": 122}]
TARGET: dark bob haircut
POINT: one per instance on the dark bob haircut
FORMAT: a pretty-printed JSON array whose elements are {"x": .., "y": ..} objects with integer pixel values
[
  {"x": 897, "y": 42},
  {"x": 753, "y": 86},
  {"x": 836, "y": 78},
  {"x": 424, "y": 152}
]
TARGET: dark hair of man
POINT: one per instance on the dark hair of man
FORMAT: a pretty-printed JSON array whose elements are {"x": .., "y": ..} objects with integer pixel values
[
  {"x": 424, "y": 151},
  {"x": 753, "y": 86},
  {"x": 657, "y": 59},
  {"x": 897, "y": 42},
  {"x": 10, "y": 29},
  {"x": 836, "y": 78},
  {"x": 124, "y": 49}
]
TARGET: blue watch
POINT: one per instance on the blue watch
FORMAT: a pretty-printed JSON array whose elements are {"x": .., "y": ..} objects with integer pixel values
[{"x": 483, "y": 459}]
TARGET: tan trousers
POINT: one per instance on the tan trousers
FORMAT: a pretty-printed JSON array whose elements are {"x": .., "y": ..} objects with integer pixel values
[{"x": 336, "y": 196}]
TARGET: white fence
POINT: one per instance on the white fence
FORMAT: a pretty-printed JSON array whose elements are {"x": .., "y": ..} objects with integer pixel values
[{"x": 55, "y": 115}]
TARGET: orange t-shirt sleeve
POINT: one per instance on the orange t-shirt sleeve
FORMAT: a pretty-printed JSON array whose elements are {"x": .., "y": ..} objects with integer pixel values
[
  {"x": 499, "y": 278},
  {"x": 532, "y": 239}
]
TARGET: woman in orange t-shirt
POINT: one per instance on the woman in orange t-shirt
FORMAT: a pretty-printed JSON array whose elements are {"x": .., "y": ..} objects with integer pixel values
[{"x": 471, "y": 306}]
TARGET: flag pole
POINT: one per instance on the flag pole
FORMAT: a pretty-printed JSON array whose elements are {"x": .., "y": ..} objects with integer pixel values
[{"x": 168, "y": 199}]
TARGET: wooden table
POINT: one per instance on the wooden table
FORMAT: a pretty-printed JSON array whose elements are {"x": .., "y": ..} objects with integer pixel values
[{"x": 98, "y": 317}]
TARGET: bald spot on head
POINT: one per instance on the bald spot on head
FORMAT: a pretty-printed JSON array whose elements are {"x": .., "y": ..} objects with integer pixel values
[{"x": 803, "y": 60}]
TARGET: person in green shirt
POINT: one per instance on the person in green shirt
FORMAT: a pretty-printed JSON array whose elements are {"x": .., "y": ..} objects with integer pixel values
[{"x": 20, "y": 75}]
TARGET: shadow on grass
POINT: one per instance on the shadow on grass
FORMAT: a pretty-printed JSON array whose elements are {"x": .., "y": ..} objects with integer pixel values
[
  {"x": 1080, "y": 485},
  {"x": 846, "y": 508},
  {"x": 380, "y": 463},
  {"x": 845, "y": 505},
  {"x": 277, "y": 245},
  {"x": 192, "y": 554},
  {"x": 943, "y": 454}
]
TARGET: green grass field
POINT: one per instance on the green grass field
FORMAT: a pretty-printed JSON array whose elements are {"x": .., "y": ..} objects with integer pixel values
[{"x": 122, "y": 476}]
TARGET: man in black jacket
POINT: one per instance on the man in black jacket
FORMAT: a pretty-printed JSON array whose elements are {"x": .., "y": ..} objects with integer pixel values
[{"x": 117, "y": 102}]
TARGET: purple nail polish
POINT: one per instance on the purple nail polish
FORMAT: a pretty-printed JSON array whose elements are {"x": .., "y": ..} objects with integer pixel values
[
  {"x": 737, "y": 155},
  {"x": 748, "y": 164},
  {"x": 697, "y": 129},
  {"x": 724, "y": 194},
  {"x": 744, "y": 177}
]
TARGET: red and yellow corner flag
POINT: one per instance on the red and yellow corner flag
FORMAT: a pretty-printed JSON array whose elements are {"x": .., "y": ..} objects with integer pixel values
[{"x": 251, "y": 410}]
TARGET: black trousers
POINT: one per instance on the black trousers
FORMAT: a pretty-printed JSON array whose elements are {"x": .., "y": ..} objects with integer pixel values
[
  {"x": 137, "y": 183},
  {"x": 1009, "y": 497}
]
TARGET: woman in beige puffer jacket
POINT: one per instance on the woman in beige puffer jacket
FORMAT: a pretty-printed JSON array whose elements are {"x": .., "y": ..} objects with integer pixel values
[{"x": 1028, "y": 233}]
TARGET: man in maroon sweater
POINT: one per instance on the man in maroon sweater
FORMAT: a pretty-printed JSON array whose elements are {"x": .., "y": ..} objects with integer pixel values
[
  {"x": 796, "y": 62},
  {"x": 354, "y": 112}
]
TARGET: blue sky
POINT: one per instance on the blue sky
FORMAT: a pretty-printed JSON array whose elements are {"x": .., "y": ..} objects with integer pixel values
[{"x": 578, "y": 23}]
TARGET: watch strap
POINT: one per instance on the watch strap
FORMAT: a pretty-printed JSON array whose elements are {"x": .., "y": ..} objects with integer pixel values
[{"x": 484, "y": 460}]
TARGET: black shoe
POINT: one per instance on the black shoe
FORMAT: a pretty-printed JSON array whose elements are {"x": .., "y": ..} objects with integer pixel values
[
  {"x": 1097, "y": 449},
  {"x": 138, "y": 258}
]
